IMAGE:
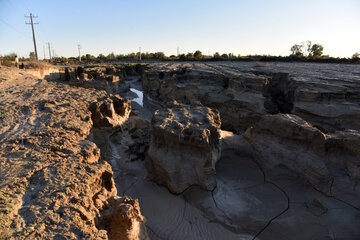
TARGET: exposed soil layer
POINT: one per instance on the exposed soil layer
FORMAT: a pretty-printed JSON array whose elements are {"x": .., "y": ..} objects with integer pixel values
[
  {"x": 326, "y": 95},
  {"x": 53, "y": 183}
]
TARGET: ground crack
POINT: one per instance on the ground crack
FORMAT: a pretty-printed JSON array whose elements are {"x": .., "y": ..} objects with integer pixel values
[
  {"x": 279, "y": 214},
  {"x": 216, "y": 205},
  {"x": 338, "y": 199}
]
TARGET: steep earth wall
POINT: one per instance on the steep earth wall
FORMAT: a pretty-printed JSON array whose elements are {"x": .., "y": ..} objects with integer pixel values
[
  {"x": 184, "y": 147},
  {"x": 322, "y": 94}
]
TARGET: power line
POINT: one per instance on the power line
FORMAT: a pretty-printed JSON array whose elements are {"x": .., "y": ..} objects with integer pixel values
[
  {"x": 33, "y": 32},
  {"x": 13, "y": 28},
  {"x": 16, "y": 30},
  {"x": 27, "y": 6},
  {"x": 11, "y": 5},
  {"x": 20, "y": 6}
]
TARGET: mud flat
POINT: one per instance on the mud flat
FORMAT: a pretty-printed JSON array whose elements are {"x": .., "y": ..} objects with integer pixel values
[{"x": 233, "y": 151}]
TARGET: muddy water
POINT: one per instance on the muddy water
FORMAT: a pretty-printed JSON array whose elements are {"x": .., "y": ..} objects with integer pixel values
[
  {"x": 139, "y": 102},
  {"x": 139, "y": 98}
]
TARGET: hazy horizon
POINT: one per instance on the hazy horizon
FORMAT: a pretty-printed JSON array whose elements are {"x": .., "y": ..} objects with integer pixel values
[{"x": 230, "y": 26}]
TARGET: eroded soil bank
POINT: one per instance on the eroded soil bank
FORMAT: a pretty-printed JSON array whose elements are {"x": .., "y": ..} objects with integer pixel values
[{"x": 54, "y": 185}]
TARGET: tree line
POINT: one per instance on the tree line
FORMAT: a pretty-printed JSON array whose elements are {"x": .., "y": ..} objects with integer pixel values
[
  {"x": 305, "y": 51},
  {"x": 299, "y": 52}
]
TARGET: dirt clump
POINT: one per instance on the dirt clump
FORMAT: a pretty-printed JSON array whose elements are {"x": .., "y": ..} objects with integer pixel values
[{"x": 184, "y": 147}]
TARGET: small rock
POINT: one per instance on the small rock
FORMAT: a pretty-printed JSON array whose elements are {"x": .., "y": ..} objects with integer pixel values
[{"x": 316, "y": 207}]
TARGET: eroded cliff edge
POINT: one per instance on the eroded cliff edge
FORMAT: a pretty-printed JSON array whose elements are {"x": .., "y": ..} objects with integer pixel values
[
  {"x": 54, "y": 184},
  {"x": 325, "y": 95}
]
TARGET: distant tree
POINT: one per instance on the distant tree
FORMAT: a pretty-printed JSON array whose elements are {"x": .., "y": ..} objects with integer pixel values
[
  {"x": 32, "y": 56},
  {"x": 307, "y": 47},
  {"x": 225, "y": 56},
  {"x": 120, "y": 56},
  {"x": 198, "y": 55},
  {"x": 132, "y": 55},
  {"x": 216, "y": 55},
  {"x": 137, "y": 56},
  {"x": 88, "y": 57},
  {"x": 61, "y": 59},
  {"x": 111, "y": 56},
  {"x": 356, "y": 55},
  {"x": 232, "y": 56},
  {"x": 190, "y": 56},
  {"x": 297, "y": 51},
  {"x": 9, "y": 57},
  {"x": 159, "y": 55},
  {"x": 182, "y": 57},
  {"x": 316, "y": 50},
  {"x": 101, "y": 56}
]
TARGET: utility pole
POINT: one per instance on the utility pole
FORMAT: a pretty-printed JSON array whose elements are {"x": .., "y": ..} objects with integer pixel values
[
  {"x": 79, "y": 47},
  {"x": 44, "y": 52},
  {"x": 139, "y": 53},
  {"x": 49, "y": 51},
  {"x": 33, "y": 32}
]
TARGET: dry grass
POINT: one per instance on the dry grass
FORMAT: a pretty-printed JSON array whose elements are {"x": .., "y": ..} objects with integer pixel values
[
  {"x": 36, "y": 65},
  {"x": 7, "y": 63}
]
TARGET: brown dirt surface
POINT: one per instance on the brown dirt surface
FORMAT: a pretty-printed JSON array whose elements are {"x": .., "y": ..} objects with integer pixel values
[{"x": 52, "y": 183}]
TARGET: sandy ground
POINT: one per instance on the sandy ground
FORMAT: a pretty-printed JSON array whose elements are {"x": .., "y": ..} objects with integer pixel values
[
  {"x": 50, "y": 178},
  {"x": 243, "y": 206}
]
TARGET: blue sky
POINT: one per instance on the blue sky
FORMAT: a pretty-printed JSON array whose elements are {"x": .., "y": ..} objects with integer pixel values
[{"x": 227, "y": 26}]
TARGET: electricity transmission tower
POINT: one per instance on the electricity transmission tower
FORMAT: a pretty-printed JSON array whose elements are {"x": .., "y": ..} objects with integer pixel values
[
  {"x": 79, "y": 47},
  {"x": 178, "y": 52},
  {"x": 33, "y": 32},
  {"x": 49, "y": 51}
]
